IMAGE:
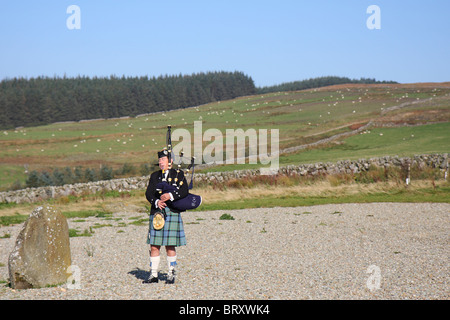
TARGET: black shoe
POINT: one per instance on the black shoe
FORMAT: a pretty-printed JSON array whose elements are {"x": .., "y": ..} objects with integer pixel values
[
  {"x": 171, "y": 278},
  {"x": 151, "y": 279}
]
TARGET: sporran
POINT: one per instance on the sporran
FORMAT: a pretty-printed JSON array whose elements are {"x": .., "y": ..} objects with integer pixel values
[{"x": 158, "y": 220}]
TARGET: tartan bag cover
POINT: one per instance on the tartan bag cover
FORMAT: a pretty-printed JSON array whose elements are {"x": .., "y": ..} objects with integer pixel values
[{"x": 172, "y": 234}]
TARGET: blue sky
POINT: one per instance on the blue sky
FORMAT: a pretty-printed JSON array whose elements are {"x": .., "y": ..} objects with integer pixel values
[{"x": 271, "y": 41}]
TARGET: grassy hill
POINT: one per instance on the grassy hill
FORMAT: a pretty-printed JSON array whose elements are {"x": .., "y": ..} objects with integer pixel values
[{"x": 420, "y": 125}]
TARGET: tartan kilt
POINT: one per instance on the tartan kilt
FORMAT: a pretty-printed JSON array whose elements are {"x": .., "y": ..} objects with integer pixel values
[{"x": 172, "y": 234}]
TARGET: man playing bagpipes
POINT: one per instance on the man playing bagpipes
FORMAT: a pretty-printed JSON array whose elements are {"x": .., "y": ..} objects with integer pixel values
[{"x": 168, "y": 194}]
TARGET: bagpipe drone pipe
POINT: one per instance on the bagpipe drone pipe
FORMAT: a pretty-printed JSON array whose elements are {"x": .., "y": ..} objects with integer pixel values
[{"x": 191, "y": 201}]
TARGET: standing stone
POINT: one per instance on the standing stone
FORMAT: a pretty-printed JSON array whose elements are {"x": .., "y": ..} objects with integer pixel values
[{"x": 41, "y": 255}]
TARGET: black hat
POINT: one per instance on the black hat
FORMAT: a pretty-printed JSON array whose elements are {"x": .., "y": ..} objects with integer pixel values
[{"x": 163, "y": 153}]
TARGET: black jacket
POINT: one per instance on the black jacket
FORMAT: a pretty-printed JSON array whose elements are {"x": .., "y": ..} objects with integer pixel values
[{"x": 152, "y": 195}]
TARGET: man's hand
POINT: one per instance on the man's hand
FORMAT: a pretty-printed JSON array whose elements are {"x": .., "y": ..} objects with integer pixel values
[
  {"x": 161, "y": 204},
  {"x": 165, "y": 197}
]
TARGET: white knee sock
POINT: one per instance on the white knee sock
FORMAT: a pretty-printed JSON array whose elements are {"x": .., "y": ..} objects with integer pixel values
[
  {"x": 154, "y": 265},
  {"x": 171, "y": 262}
]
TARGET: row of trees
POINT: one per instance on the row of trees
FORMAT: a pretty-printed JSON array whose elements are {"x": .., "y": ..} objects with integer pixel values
[
  {"x": 59, "y": 177},
  {"x": 316, "y": 83},
  {"x": 43, "y": 100}
]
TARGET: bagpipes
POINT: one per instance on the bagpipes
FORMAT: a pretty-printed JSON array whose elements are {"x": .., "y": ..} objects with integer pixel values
[{"x": 191, "y": 201}]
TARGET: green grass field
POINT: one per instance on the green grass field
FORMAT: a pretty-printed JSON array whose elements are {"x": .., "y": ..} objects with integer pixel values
[
  {"x": 400, "y": 141},
  {"x": 438, "y": 195},
  {"x": 293, "y": 193},
  {"x": 301, "y": 117}
]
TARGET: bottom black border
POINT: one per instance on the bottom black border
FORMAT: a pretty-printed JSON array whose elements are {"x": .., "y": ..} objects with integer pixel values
[{"x": 221, "y": 309}]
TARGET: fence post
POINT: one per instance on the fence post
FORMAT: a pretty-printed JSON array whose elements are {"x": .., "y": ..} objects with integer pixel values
[
  {"x": 446, "y": 171},
  {"x": 408, "y": 174}
]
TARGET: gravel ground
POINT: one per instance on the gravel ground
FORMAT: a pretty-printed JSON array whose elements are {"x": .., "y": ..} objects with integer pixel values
[{"x": 317, "y": 252}]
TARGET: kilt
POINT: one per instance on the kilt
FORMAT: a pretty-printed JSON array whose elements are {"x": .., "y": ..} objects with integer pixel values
[{"x": 172, "y": 234}]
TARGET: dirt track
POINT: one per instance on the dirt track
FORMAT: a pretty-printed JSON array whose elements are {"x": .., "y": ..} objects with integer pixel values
[{"x": 346, "y": 251}]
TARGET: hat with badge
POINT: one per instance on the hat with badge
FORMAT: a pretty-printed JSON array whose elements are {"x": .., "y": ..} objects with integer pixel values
[{"x": 163, "y": 153}]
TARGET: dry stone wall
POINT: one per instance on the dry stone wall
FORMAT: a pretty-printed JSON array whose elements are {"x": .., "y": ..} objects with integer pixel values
[{"x": 140, "y": 183}]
